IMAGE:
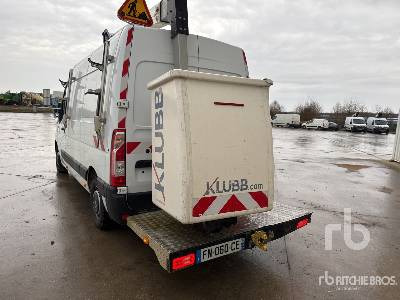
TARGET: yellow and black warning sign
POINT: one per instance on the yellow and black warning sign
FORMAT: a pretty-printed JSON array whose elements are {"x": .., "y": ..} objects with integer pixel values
[{"x": 136, "y": 12}]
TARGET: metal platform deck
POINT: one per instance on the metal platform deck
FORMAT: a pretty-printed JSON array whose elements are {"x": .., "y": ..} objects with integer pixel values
[{"x": 169, "y": 238}]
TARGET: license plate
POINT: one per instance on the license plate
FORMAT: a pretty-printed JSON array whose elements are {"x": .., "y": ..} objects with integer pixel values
[{"x": 219, "y": 250}]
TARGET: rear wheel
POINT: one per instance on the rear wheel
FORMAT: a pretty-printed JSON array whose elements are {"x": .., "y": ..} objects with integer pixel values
[
  {"x": 101, "y": 218},
  {"x": 60, "y": 168}
]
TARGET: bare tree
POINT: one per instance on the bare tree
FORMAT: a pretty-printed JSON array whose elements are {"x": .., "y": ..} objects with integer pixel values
[
  {"x": 384, "y": 111},
  {"x": 347, "y": 109},
  {"x": 387, "y": 111},
  {"x": 350, "y": 107},
  {"x": 378, "y": 109},
  {"x": 309, "y": 110},
  {"x": 275, "y": 108}
]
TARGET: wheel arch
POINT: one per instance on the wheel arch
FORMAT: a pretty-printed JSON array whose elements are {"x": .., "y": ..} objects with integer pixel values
[{"x": 90, "y": 176}]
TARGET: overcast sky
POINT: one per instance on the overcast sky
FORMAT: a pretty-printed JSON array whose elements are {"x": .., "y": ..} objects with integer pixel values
[{"x": 325, "y": 50}]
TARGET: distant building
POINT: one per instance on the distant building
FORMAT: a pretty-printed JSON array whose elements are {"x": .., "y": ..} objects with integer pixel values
[
  {"x": 46, "y": 97},
  {"x": 55, "y": 98},
  {"x": 29, "y": 99}
]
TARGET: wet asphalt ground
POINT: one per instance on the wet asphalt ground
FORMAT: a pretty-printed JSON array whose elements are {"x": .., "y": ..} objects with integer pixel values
[{"x": 50, "y": 248}]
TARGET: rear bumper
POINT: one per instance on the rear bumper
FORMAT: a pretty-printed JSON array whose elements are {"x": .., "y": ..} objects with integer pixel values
[
  {"x": 119, "y": 205},
  {"x": 358, "y": 129},
  {"x": 171, "y": 239},
  {"x": 380, "y": 130}
]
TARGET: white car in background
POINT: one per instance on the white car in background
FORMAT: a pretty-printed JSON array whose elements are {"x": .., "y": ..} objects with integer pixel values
[{"x": 316, "y": 124}]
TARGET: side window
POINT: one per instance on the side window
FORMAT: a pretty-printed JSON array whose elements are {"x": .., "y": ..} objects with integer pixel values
[
  {"x": 93, "y": 82},
  {"x": 77, "y": 90},
  {"x": 77, "y": 93}
]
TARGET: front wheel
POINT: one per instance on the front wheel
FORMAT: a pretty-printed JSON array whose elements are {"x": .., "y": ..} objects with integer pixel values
[{"x": 101, "y": 218}]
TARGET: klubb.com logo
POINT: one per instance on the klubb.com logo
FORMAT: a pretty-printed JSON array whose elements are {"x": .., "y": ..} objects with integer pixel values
[
  {"x": 226, "y": 186},
  {"x": 354, "y": 282}
]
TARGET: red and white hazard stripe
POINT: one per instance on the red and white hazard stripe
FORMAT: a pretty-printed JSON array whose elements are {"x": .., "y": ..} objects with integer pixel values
[
  {"x": 123, "y": 95},
  {"x": 214, "y": 205},
  {"x": 138, "y": 147}
]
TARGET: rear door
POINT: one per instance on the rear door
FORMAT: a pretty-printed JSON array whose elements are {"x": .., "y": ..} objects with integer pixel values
[{"x": 150, "y": 57}]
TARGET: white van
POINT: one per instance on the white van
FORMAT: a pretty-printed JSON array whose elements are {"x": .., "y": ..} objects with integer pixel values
[
  {"x": 316, "y": 124},
  {"x": 377, "y": 125},
  {"x": 355, "y": 124},
  {"x": 286, "y": 120},
  {"x": 104, "y": 135}
]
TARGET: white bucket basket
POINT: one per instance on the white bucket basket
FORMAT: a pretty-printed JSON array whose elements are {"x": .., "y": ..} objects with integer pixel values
[{"x": 212, "y": 146}]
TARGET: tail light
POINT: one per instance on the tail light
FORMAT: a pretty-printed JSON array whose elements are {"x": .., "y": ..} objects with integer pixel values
[
  {"x": 302, "y": 223},
  {"x": 183, "y": 261},
  {"x": 118, "y": 159}
]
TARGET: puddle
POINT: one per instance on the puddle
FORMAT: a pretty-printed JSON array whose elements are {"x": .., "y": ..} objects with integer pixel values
[
  {"x": 386, "y": 190},
  {"x": 352, "y": 168}
]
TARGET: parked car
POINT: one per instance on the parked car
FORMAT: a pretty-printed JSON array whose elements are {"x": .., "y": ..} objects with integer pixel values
[
  {"x": 333, "y": 126},
  {"x": 355, "y": 124},
  {"x": 316, "y": 124},
  {"x": 286, "y": 120},
  {"x": 377, "y": 125}
]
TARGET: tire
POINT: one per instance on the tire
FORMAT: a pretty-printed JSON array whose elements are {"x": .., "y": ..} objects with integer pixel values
[
  {"x": 101, "y": 218},
  {"x": 60, "y": 168}
]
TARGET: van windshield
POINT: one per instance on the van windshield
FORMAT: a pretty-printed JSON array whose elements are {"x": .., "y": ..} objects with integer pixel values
[
  {"x": 358, "y": 121},
  {"x": 380, "y": 122}
]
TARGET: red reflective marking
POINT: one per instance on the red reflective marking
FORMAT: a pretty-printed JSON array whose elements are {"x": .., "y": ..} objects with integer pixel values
[
  {"x": 121, "y": 123},
  {"x": 130, "y": 36},
  {"x": 202, "y": 205},
  {"x": 123, "y": 94},
  {"x": 125, "y": 67},
  {"x": 232, "y": 205},
  {"x": 302, "y": 223},
  {"x": 131, "y": 146},
  {"x": 96, "y": 141},
  {"x": 183, "y": 261},
  {"x": 228, "y": 104},
  {"x": 260, "y": 197}
]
